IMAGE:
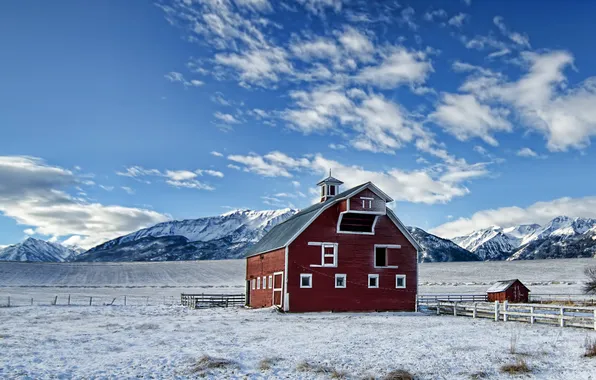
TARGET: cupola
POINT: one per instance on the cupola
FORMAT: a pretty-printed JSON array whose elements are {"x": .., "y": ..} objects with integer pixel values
[{"x": 329, "y": 187}]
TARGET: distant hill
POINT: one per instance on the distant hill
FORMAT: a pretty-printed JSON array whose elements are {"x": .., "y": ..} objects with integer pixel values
[{"x": 36, "y": 250}]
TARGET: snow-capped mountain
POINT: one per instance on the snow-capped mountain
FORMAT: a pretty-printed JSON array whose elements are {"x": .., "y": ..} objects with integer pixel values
[
  {"x": 561, "y": 237},
  {"x": 436, "y": 249},
  {"x": 225, "y": 236},
  {"x": 36, "y": 250}
]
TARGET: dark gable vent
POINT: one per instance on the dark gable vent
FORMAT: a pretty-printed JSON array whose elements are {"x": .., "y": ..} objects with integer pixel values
[{"x": 352, "y": 222}]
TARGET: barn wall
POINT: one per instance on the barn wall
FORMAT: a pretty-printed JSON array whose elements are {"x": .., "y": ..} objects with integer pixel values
[
  {"x": 356, "y": 202},
  {"x": 355, "y": 258},
  {"x": 264, "y": 265}
]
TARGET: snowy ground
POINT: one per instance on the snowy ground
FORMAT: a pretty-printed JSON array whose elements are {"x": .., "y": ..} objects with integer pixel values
[{"x": 166, "y": 342}]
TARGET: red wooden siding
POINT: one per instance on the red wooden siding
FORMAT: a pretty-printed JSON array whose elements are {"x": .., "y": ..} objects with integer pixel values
[
  {"x": 356, "y": 260},
  {"x": 264, "y": 265},
  {"x": 378, "y": 204}
]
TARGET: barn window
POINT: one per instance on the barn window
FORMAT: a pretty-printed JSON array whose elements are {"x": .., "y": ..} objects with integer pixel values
[
  {"x": 306, "y": 280},
  {"x": 331, "y": 190},
  {"x": 270, "y": 282},
  {"x": 373, "y": 280},
  {"x": 357, "y": 223},
  {"x": 254, "y": 283},
  {"x": 264, "y": 282},
  {"x": 258, "y": 282},
  {"x": 400, "y": 281},
  {"x": 328, "y": 254},
  {"x": 382, "y": 256},
  {"x": 340, "y": 280},
  {"x": 366, "y": 202}
]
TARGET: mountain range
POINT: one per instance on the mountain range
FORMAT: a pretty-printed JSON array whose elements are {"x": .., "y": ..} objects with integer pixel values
[{"x": 230, "y": 235}]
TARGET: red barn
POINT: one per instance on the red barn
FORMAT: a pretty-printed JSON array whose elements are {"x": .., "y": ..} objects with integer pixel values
[
  {"x": 349, "y": 252},
  {"x": 508, "y": 290}
]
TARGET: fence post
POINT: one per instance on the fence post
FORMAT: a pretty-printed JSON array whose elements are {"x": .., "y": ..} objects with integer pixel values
[
  {"x": 475, "y": 310},
  {"x": 531, "y": 315},
  {"x": 594, "y": 319},
  {"x": 69, "y": 300},
  {"x": 505, "y": 304},
  {"x": 147, "y": 302},
  {"x": 562, "y": 315},
  {"x": 439, "y": 312},
  {"x": 90, "y": 301},
  {"x": 124, "y": 300},
  {"x": 8, "y": 301},
  {"x": 31, "y": 301},
  {"x": 496, "y": 311},
  {"x": 455, "y": 309},
  {"x": 55, "y": 300}
]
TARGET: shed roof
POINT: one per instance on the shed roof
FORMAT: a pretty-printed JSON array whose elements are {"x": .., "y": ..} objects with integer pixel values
[
  {"x": 282, "y": 234},
  {"x": 501, "y": 286}
]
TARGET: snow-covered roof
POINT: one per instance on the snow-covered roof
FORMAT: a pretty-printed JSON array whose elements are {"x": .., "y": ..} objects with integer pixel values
[{"x": 501, "y": 286}]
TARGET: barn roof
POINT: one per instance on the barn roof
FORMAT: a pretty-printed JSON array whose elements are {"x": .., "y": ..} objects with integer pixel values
[
  {"x": 284, "y": 233},
  {"x": 501, "y": 286}
]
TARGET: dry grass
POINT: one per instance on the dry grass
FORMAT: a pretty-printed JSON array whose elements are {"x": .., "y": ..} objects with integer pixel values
[
  {"x": 518, "y": 367},
  {"x": 268, "y": 363},
  {"x": 321, "y": 369},
  {"x": 513, "y": 342},
  {"x": 479, "y": 375},
  {"x": 399, "y": 374},
  {"x": 206, "y": 363},
  {"x": 590, "y": 348},
  {"x": 147, "y": 326}
]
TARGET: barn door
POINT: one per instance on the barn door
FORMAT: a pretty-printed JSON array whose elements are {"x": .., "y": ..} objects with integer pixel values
[{"x": 278, "y": 287}]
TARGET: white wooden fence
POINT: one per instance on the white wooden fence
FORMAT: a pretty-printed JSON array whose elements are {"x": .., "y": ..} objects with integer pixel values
[
  {"x": 563, "y": 316},
  {"x": 85, "y": 300}
]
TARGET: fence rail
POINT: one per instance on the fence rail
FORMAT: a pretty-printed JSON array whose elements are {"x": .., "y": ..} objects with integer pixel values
[
  {"x": 84, "y": 300},
  {"x": 563, "y": 316},
  {"x": 433, "y": 298},
  {"x": 198, "y": 301}
]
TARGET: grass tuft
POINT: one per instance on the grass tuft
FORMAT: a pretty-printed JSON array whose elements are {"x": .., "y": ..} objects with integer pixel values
[
  {"x": 148, "y": 326},
  {"x": 207, "y": 362},
  {"x": 399, "y": 374},
  {"x": 590, "y": 348},
  {"x": 268, "y": 363},
  {"x": 321, "y": 369},
  {"x": 518, "y": 367}
]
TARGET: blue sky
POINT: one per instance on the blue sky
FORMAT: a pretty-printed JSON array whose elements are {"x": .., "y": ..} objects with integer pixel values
[{"x": 117, "y": 115}]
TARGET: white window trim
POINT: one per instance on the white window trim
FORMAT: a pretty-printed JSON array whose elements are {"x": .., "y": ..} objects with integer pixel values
[
  {"x": 367, "y": 201},
  {"x": 324, "y": 245},
  {"x": 398, "y": 276},
  {"x": 345, "y": 277},
  {"x": 264, "y": 282},
  {"x": 341, "y": 215},
  {"x": 373, "y": 276},
  {"x": 387, "y": 246},
  {"x": 254, "y": 283},
  {"x": 258, "y": 283},
  {"x": 305, "y": 275},
  {"x": 270, "y": 282}
]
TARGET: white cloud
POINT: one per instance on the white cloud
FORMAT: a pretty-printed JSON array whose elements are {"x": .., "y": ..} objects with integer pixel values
[
  {"x": 435, "y": 14},
  {"x": 129, "y": 190},
  {"x": 356, "y": 42},
  {"x": 467, "y": 2},
  {"x": 527, "y": 152},
  {"x": 175, "y": 178},
  {"x": 539, "y": 212},
  {"x": 337, "y": 146},
  {"x": 213, "y": 173},
  {"x": 458, "y": 20},
  {"x": 296, "y": 184},
  {"x": 255, "y": 5},
  {"x": 36, "y": 194},
  {"x": 318, "y": 48},
  {"x": 518, "y": 38},
  {"x": 226, "y": 118},
  {"x": 29, "y": 231},
  {"x": 235, "y": 167},
  {"x": 399, "y": 67},
  {"x": 319, "y": 7},
  {"x": 439, "y": 185},
  {"x": 174, "y": 76},
  {"x": 261, "y": 67},
  {"x": 107, "y": 188},
  {"x": 407, "y": 18},
  {"x": 216, "y": 154},
  {"x": 464, "y": 117}
]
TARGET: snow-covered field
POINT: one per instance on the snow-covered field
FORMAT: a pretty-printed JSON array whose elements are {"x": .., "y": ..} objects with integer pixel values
[
  {"x": 169, "y": 279},
  {"x": 168, "y": 342}
]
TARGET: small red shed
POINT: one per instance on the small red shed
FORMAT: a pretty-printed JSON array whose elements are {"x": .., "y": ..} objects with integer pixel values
[
  {"x": 508, "y": 290},
  {"x": 349, "y": 252}
]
